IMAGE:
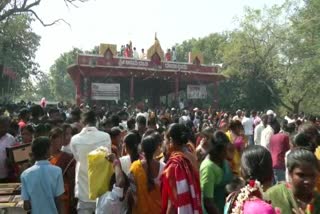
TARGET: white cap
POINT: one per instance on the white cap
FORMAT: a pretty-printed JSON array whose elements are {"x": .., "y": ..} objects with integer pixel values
[
  {"x": 270, "y": 112},
  {"x": 196, "y": 109}
]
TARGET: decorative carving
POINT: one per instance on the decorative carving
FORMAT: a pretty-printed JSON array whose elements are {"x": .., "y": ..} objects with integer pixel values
[
  {"x": 104, "y": 47},
  {"x": 196, "y": 57},
  {"x": 155, "y": 49}
]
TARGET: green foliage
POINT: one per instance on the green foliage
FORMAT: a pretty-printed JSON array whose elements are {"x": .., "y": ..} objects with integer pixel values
[
  {"x": 272, "y": 59},
  {"x": 61, "y": 84},
  {"x": 18, "y": 45},
  {"x": 209, "y": 46}
]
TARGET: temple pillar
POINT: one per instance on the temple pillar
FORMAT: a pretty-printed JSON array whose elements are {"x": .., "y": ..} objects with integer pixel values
[
  {"x": 216, "y": 94},
  {"x": 176, "y": 91},
  {"x": 78, "y": 89},
  {"x": 132, "y": 89}
]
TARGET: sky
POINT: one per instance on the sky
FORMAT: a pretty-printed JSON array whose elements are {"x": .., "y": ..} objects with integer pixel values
[{"x": 119, "y": 21}]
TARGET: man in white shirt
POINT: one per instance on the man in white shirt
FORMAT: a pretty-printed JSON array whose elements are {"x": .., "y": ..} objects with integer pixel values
[
  {"x": 238, "y": 115},
  {"x": 135, "y": 53},
  {"x": 247, "y": 123},
  {"x": 6, "y": 140},
  {"x": 184, "y": 119},
  {"x": 181, "y": 104},
  {"x": 268, "y": 131},
  {"x": 143, "y": 56},
  {"x": 174, "y": 54},
  {"x": 89, "y": 139},
  {"x": 259, "y": 128}
]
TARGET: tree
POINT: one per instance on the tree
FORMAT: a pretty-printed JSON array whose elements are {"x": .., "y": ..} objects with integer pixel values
[
  {"x": 251, "y": 57},
  {"x": 9, "y": 8},
  {"x": 18, "y": 45},
  {"x": 61, "y": 84},
  {"x": 210, "y": 46},
  {"x": 299, "y": 74}
]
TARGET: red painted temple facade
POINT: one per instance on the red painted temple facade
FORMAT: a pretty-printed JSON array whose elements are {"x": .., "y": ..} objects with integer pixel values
[{"x": 152, "y": 77}]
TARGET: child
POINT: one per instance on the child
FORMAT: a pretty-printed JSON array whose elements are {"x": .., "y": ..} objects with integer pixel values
[{"x": 42, "y": 184}]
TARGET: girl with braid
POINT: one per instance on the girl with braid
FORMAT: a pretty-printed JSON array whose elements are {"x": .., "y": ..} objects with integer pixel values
[{"x": 145, "y": 178}]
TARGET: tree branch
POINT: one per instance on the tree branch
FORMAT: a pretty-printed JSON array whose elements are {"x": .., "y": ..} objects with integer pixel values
[
  {"x": 273, "y": 94},
  {"x": 48, "y": 24},
  {"x": 7, "y": 9}
]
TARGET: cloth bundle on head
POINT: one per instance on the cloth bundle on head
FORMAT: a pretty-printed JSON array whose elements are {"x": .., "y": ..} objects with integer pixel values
[
  {"x": 270, "y": 112},
  {"x": 43, "y": 102}
]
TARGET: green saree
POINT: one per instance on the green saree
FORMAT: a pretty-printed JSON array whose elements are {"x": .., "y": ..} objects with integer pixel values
[{"x": 282, "y": 197}]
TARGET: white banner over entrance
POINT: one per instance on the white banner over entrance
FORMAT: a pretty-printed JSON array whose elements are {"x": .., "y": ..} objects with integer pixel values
[
  {"x": 105, "y": 91},
  {"x": 196, "y": 92}
]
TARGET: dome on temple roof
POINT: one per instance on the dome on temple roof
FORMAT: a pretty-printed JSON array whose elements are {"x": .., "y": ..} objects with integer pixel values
[{"x": 155, "y": 49}]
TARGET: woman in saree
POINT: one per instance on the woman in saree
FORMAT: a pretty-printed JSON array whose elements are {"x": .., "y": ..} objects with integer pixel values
[
  {"x": 67, "y": 164},
  {"x": 145, "y": 178},
  {"x": 256, "y": 170},
  {"x": 237, "y": 139},
  {"x": 298, "y": 195},
  {"x": 180, "y": 190}
]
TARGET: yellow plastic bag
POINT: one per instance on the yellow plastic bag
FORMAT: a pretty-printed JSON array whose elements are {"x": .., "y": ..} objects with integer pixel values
[{"x": 100, "y": 171}]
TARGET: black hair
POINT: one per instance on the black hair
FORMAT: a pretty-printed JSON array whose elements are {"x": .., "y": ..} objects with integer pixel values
[
  {"x": 155, "y": 134},
  {"x": 66, "y": 126},
  {"x": 179, "y": 134},
  {"x": 40, "y": 148},
  {"x": 76, "y": 114},
  {"x": 311, "y": 132},
  {"x": 42, "y": 129},
  {"x": 55, "y": 132},
  {"x": 149, "y": 146},
  {"x": 108, "y": 123},
  {"x": 152, "y": 122},
  {"x": 312, "y": 119},
  {"x": 132, "y": 141},
  {"x": 300, "y": 156},
  {"x": 207, "y": 132},
  {"x": 29, "y": 128},
  {"x": 219, "y": 143},
  {"x": 36, "y": 111},
  {"x": 303, "y": 140},
  {"x": 63, "y": 116},
  {"x": 115, "y": 131},
  {"x": 256, "y": 164},
  {"x": 53, "y": 110},
  {"x": 275, "y": 126},
  {"x": 74, "y": 130},
  {"x": 142, "y": 120},
  {"x": 23, "y": 112},
  {"x": 89, "y": 118},
  {"x": 131, "y": 123},
  {"x": 13, "y": 128},
  {"x": 4, "y": 120},
  {"x": 234, "y": 124},
  {"x": 115, "y": 120}
]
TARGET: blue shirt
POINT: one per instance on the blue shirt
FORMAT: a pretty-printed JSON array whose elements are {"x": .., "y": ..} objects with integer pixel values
[{"x": 41, "y": 184}]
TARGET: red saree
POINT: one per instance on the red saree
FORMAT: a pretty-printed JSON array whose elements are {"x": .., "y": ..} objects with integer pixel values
[{"x": 181, "y": 185}]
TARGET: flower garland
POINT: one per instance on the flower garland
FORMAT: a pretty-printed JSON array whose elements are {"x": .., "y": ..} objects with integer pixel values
[{"x": 244, "y": 195}]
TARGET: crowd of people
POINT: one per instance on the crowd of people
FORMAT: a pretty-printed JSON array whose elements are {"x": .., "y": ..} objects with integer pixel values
[
  {"x": 128, "y": 51},
  {"x": 165, "y": 161}
]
